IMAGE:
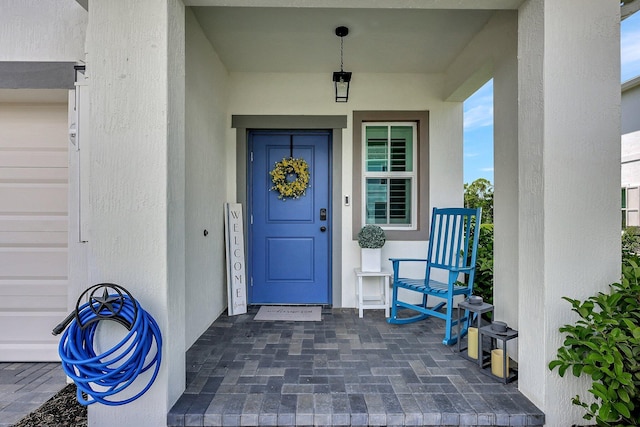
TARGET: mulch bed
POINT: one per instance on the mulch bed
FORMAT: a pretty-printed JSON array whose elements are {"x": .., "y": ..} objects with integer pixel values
[{"x": 62, "y": 410}]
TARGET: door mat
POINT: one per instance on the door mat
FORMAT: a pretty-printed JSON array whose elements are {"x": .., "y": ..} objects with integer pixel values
[{"x": 289, "y": 313}]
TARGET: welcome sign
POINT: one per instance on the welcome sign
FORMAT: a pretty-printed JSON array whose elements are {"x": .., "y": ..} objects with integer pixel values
[{"x": 236, "y": 276}]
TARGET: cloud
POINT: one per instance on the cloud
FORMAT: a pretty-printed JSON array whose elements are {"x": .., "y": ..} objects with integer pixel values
[
  {"x": 630, "y": 47},
  {"x": 487, "y": 169},
  {"x": 479, "y": 116},
  {"x": 478, "y": 108},
  {"x": 471, "y": 154}
]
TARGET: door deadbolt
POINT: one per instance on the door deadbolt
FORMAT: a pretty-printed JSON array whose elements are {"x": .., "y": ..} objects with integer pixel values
[{"x": 323, "y": 214}]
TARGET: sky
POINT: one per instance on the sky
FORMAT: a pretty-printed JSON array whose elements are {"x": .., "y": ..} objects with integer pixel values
[{"x": 478, "y": 108}]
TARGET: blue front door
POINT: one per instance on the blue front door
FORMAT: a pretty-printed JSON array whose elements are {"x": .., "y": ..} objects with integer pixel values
[{"x": 289, "y": 239}]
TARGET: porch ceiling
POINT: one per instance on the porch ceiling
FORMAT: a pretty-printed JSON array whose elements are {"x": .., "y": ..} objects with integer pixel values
[{"x": 302, "y": 39}]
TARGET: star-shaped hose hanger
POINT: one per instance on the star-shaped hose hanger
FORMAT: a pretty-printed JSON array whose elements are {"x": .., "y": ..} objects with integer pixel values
[
  {"x": 106, "y": 302},
  {"x": 107, "y": 306}
]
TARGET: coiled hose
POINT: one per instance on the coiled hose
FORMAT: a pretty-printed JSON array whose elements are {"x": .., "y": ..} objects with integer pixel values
[{"x": 117, "y": 368}]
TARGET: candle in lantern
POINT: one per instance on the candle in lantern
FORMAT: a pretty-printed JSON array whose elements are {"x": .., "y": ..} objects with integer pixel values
[
  {"x": 497, "y": 368},
  {"x": 472, "y": 343}
]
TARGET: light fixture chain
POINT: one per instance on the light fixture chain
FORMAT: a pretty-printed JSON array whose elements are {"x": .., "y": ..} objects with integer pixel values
[{"x": 341, "y": 50}]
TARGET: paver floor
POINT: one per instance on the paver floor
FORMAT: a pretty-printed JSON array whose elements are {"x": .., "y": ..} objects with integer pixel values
[
  {"x": 24, "y": 387},
  {"x": 343, "y": 370}
]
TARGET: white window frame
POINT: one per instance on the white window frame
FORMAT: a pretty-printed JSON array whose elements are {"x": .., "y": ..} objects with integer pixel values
[
  {"x": 631, "y": 208},
  {"x": 413, "y": 175}
]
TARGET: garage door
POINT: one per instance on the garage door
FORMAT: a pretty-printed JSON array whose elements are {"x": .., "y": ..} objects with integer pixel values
[{"x": 33, "y": 228}]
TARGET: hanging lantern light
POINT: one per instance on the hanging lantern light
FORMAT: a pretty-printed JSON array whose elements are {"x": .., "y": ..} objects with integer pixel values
[{"x": 342, "y": 79}]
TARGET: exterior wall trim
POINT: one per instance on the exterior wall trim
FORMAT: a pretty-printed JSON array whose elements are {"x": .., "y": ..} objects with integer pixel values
[
  {"x": 243, "y": 123},
  {"x": 630, "y": 84},
  {"x": 286, "y": 122},
  {"x": 422, "y": 119},
  {"x": 37, "y": 75}
]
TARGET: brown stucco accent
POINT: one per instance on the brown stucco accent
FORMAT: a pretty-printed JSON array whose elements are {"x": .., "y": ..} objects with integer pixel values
[{"x": 422, "y": 119}]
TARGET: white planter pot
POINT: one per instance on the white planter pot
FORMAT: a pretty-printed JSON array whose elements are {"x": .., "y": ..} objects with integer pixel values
[{"x": 371, "y": 259}]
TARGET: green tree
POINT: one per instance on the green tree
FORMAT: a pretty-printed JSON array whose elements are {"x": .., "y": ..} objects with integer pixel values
[{"x": 480, "y": 194}]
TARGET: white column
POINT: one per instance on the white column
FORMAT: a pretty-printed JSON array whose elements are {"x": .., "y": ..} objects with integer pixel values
[
  {"x": 505, "y": 159},
  {"x": 569, "y": 181},
  {"x": 136, "y": 72}
]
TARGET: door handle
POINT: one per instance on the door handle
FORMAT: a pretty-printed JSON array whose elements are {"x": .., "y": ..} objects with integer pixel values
[{"x": 323, "y": 228}]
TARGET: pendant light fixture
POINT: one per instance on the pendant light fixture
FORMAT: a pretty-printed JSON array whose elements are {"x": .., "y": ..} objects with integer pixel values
[{"x": 342, "y": 79}]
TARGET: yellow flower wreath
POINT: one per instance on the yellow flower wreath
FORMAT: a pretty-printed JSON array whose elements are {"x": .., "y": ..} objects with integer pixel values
[{"x": 288, "y": 166}]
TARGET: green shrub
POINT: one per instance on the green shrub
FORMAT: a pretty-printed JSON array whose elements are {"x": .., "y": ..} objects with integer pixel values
[
  {"x": 605, "y": 345},
  {"x": 483, "y": 282},
  {"x": 480, "y": 194},
  {"x": 630, "y": 242}
]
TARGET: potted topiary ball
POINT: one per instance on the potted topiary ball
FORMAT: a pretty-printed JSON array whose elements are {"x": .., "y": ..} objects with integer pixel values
[{"x": 371, "y": 239}]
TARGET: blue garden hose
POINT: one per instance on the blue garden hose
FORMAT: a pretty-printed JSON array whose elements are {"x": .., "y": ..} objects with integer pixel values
[{"x": 99, "y": 376}]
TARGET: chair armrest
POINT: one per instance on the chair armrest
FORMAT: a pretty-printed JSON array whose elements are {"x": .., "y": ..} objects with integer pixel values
[
  {"x": 396, "y": 265},
  {"x": 462, "y": 269}
]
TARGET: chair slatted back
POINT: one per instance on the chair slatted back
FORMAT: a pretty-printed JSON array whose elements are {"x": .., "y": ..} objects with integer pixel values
[{"x": 453, "y": 242}]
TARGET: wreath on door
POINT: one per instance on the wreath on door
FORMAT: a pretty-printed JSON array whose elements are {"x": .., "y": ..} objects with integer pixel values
[{"x": 290, "y": 178}]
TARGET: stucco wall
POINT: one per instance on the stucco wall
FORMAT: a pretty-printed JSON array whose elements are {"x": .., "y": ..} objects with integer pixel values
[
  {"x": 43, "y": 31},
  {"x": 569, "y": 126},
  {"x": 474, "y": 66},
  {"x": 312, "y": 94},
  {"x": 207, "y": 132},
  {"x": 505, "y": 154},
  {"x": 137, "y": 182}
]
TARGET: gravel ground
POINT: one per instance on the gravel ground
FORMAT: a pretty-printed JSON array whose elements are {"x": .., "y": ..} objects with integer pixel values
[{"x": 62, "y": 410}]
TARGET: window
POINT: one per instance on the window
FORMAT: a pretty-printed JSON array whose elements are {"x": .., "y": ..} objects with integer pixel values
[
  {"x": 630, "y": 206},
  {"x": 389, "y": 175}
]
